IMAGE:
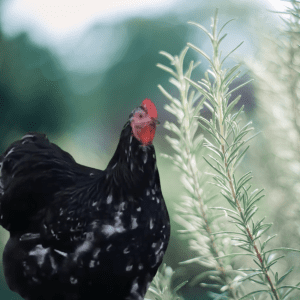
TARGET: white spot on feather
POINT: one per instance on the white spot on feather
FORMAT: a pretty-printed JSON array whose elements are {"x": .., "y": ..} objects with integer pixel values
[
  {"x": 1, "y": 186},
  {"x": 114, "y": 166},
  {"x": 108, "y": 230},
  {"x": 126, "y": 250},
  {"x": 10, "y": 151},
  {"x": 27, "y": 136},
  {"x": 157, "y": 200},
  {"x": 139, "y": 209},
  {"x": 145, "y": 158},
  {"x": 160, "y": 247},
  {"x": 148, "y": 192},
  {"x": 135, "y": 287},
  {"x": 89, "y": 236},
  {"x": 153, "y": 245},
  {"x": 92, "y": 264},
  {"x": 108, "y": 247},
  {"x": 122, "y": 206},
  {"x": 96, "y": 252},
  {"x": 153, "y": 192},
  {"x": 129, "y": 268},
  {"x": 118, "y": 219},
  {"x": 118, "y": 227},
  {"x": 82, "y": 248},
  {"x": 109, "y": 199},
  {"x": 39, "y": 252},
  {"x": 61, "y": 253},
  {"x": 151, "y": 224},
  {"x": 73, "y": 280},
  {"x": 35, "y": 279},
  {"x": 141, "y": 266},
  {"x": 133, "y": 223}
]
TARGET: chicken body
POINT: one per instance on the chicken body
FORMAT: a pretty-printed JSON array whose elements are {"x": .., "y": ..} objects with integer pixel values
[{"x": 78, "y": 232}]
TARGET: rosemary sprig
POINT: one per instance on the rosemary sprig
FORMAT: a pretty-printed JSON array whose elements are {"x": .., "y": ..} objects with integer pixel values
[
  {"x": 160, "y": 288},
  {"x": 228, "y": 147},
  {"x": 193, "y": 213}
]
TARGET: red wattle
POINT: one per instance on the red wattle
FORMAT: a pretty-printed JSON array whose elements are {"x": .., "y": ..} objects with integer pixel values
[{"x": 146, "y": 134}]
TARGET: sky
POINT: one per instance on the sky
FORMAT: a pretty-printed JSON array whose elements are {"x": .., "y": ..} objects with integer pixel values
[
  {"x": 61, "y": 24},
  {"x": 56, "y": 20},
  {"x": 52, "y": 22}
]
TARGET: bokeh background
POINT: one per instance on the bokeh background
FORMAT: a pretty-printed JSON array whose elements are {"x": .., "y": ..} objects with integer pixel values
[{"x": 75, "y": 70}]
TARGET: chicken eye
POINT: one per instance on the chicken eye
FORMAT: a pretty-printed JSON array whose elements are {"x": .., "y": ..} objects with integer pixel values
[{"x": 140, "y": 116}]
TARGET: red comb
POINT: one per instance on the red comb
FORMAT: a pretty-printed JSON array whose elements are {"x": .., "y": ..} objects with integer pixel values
[{"x": 150, "y": 107}]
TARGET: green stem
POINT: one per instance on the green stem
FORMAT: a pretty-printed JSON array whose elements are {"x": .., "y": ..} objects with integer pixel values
[
  {"x": 257, "y": 252},
  {"x": 186, "y": 123},
  {"x": 219, "y": 98}
]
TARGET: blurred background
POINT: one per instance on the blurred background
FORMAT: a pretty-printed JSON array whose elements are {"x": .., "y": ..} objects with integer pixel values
[{"x": 75, "y": 70}]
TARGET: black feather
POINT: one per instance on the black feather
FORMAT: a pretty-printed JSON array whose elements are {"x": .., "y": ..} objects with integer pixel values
[{"x": 78, "y": 232}]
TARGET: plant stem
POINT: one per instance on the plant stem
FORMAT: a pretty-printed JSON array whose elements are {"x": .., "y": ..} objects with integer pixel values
[
  {"x": 214, "y": 248},
  {"x": 219, "y": 98},
  {"x": 186, "y": 123},
  {"x": 257, "y": 252}
]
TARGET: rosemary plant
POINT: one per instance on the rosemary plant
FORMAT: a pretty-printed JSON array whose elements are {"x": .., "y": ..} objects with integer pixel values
[
  {"x": 227, "y": 145},
  {"x": 277, "y": 81},
  {"x": 193, "y": 214},
  {"x": 160, "y": 288}
]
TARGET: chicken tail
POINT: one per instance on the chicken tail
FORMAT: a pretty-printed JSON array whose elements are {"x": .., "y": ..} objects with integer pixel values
[{"x": 31, "y": 171}]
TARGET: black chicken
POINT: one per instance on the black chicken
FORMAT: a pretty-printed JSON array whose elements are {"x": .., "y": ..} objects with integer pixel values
[{"x": 78, "y": 232}]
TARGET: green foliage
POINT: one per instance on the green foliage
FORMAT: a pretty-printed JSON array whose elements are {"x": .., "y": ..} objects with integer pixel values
[
  {"x": 160, "y": 288},
  {"x": 226, "y": 145},
  {"x": 193, "y": 214},
  {"x": 277, "y": 81},
  {"x": 31, "y": 98}
]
